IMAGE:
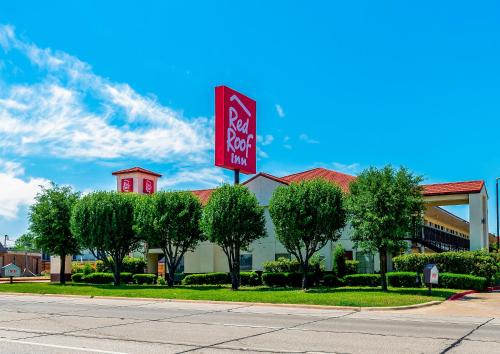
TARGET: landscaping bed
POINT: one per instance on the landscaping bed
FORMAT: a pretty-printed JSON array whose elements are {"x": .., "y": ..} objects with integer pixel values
[{"x": 344, "y": 296}]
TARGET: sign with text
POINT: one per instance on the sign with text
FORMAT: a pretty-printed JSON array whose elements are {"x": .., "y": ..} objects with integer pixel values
[
  {"x": 235, "y": 130},
  {"x": 127, "y": 185},
  {"x": 11, "y": 270},
  {"x": 148, "y": 186}
]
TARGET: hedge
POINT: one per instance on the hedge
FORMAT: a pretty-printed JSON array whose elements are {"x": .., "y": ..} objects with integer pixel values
[
  {"x": 402, "y": 279},
  {"x": 126, "y": 278},
  {"x": 281, "y": 265},
  {"x": 462, "y": 281},
  {"x": 250, "y": 278},
  {"x": 77, "y": 277},
  {"x": 351, "y": 267},
  {"x": 479, "y": 263},
  {"x": 144, "y": 278},
  {"x": 362, "y": 280},
  {"x": 98, "y": 278},
  {"x": 207, "y": 279},
  {"x": 292, "y": 279},
  {"x": 332, "y": 280},
  {"x": 274, "y": 279}
]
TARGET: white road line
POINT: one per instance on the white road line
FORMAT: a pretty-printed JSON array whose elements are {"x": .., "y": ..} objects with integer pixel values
[{"x": 59, "y": 346}]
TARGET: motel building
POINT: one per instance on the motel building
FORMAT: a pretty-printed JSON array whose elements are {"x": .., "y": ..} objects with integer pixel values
[{"x": 442, "y": 231}]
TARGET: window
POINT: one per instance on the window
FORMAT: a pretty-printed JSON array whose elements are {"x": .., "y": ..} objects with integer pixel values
[
  {"x": 348, "y": 255},
  {"x": 246, "y": 261},
  {"x": 282, "y": 255}
]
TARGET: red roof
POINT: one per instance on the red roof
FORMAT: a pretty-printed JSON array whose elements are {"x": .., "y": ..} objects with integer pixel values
[
  {"x": 453, "y": 188},
  {"x": 341, "y": 179},
  {"x": 203, "y": 194},
  {"x": 136, "y": 169}
]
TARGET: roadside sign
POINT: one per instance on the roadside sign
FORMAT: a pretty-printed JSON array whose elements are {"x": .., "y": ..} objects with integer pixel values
[
  {"x": 235, "y": 130},
  {"x": 10, "y": 271}
]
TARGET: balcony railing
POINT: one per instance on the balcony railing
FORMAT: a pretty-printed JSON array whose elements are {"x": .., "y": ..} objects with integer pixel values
[{"x": 441, "y": 241}]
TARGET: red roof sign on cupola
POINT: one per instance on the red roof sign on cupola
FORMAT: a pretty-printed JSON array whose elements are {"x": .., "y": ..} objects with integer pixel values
[{"x": 136, "y": 169}]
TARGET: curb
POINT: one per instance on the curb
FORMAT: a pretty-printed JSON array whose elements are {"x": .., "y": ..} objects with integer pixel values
[
  {"x": 249, "y": 304},
  {"x": 458, "y": 296}
]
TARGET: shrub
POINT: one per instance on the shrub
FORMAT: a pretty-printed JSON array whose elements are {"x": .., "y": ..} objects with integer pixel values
[
  {"x": 402, "y": 279},
  {"x": 85, "y": 268},
  {"x": 130, "y": 265},
  {"x": 161, "y": 281},
  {"x": 339, "y": 261},
  {"x": 497, "y": 278},
  {"x": 77, "y": 277},
  {"x": 351, "y": 267},
  {"x": 144, "y": 278},
  {"x": 292, "y": 279},
  {"x": 332, "y": 280},
  {"x": 207, "y": 279},
  {"x": 98, "y": 278},
  {"x": 126, "y": 278},
  {"x": 462, "y": 281},
  {"x": 281, "y": 265},
  {"x": 479, "y": 263},
  {"x": 274, "y": 279},
  {"x": 362, "y": 279},
  {"x": 250, "y": 278}
]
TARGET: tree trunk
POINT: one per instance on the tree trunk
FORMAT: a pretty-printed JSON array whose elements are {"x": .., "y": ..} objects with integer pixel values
[
  {"x": 383, "y": 267},
  {"x": 305, "y": 270},
  {"x": 117, "y": 272},
  {"x": 62, "y": 269},
  {"x": 171, "y": 275},
  {"x": 235, "y": 271}
]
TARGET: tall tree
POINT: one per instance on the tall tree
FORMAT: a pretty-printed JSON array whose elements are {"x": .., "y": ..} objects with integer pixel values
[
  {"x": 25, "y": 242},
  {"x": 233, "y": 219},
  {"x": 50, "y": 223},
  {"x": 103, "y": 223},
  {"x": 306, "y": 216},
  {"x": 384, "y": 205},
  {"x": 170, "y": 221}
]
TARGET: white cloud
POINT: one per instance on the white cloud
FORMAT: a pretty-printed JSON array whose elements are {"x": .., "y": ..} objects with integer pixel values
[
  {"x": 265, "y": 139},
  {"x": 201, "y": 178},
  {"x": 280, "y": 111},
  {"x": 352, "y": 169},
  {"x": 16, "y": 191},
  {"x": 307, "y": 139},
  {"x": 262, "y": 154},
  {"x": 74, "y": 113}
]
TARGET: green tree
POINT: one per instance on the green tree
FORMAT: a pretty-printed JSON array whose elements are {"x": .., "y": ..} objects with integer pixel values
[
  {"x": 385, "y": 205},
  {"x": 25, "y": 242},
  {"x": 233, "y": 219},
  {"x": 339, "y": 264},
  {"x": 103, "y": 223},
  {"x": 170, "y": 221},
  {"x": 50, "y": 223},
  {"x": 306, "y": 216}
]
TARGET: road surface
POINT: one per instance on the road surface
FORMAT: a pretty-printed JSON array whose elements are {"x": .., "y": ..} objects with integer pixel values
[{"x": 51, "y": 324}]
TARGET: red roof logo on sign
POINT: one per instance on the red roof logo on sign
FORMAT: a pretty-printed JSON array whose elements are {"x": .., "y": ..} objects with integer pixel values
[
  {"x": 127, "y": 185},
  {"x": 148, "y": 186},
  {"x": 235, "y": 130}
]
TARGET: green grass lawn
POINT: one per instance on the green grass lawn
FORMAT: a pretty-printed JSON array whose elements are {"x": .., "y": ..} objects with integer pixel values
[{"x": 347, "y": 296}]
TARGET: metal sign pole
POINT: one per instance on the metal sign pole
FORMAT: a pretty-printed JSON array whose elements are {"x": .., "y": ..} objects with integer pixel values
[{"x": 236, "y": 177}]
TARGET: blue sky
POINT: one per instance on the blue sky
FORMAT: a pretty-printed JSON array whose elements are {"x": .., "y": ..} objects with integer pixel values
[{"x": 87, "y": 88}]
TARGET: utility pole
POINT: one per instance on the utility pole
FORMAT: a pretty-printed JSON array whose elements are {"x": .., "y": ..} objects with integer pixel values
[{"x": 5, "y": 238}]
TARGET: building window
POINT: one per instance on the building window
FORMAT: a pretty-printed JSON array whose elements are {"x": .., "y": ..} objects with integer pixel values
[
  {"x": 348, "y": 255},
  {"x": 246, "y": 261},
  {"x": 282, "y": 255}
]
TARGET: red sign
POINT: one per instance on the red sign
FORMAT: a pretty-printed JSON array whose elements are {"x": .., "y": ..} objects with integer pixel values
[
  {"x": 235, "y": 130},
  {"x": 127, "y": 185},
  {"x": 148, "y": 186}
]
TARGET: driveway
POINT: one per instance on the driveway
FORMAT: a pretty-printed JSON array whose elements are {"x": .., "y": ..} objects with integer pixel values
[{"x": 55, "y": 324}]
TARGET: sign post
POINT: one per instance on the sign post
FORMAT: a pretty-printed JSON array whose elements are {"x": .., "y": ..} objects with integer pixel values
[
  {"x": 235, "y": 132},
  {"x": 11, "y": 270}
]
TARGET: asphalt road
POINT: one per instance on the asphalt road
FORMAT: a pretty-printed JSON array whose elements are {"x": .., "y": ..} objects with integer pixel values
[{"x": 48, "y": 324}]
